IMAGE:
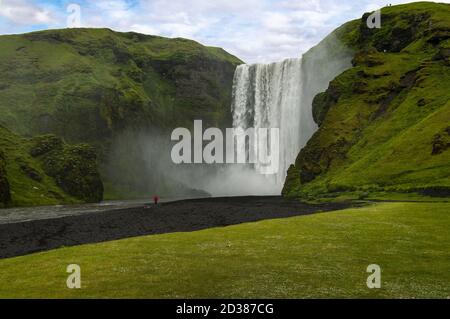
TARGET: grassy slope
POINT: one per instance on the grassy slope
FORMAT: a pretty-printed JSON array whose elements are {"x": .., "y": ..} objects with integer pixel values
[
  {"x": 322, "y": 255},
  {"x": 85, "y": 84},
  {"x": 378, "y": 137}
]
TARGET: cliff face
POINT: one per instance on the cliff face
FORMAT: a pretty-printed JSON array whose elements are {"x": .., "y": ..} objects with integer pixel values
[{"x": 384, "y": 123}]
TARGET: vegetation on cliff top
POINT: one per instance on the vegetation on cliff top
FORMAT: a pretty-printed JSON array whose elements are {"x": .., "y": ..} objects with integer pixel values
[{"x": 384, "y": 123}]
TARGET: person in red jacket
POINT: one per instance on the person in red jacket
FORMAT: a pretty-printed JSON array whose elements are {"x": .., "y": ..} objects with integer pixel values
[{"x": 155, "y": 199}]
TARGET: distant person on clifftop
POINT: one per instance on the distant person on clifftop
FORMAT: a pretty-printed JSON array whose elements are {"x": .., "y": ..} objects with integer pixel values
[{"x": 155, "y": 199}]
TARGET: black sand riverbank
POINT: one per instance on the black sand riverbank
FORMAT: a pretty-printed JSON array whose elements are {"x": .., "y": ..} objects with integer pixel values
[{"x": 181, "y": 216}]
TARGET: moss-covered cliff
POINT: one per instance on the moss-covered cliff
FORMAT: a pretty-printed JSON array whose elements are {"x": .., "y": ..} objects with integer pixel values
[
  {"x": 92, "y": 85},
  {"x": 384, "y": 123},
  {"x": 46, "y": 171},
  {"x": 85, "y": 85}
]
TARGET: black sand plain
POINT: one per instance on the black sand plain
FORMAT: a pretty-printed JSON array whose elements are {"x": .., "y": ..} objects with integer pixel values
[{"x": 27, "y": 237}]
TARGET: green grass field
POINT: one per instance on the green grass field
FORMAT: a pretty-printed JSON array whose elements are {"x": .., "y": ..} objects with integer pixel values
[{"x": 322, "y": 255}]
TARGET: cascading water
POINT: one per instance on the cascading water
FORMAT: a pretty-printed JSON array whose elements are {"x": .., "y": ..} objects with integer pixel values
[
  {"x": 269, "y": 96},
  {"x": 280, "y": 95}
]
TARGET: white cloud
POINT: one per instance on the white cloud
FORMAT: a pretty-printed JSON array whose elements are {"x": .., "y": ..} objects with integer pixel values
[{"x": 25, "y": 13}]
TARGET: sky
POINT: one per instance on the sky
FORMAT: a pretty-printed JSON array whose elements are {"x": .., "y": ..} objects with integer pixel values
[{"x": 256, "y": 31}]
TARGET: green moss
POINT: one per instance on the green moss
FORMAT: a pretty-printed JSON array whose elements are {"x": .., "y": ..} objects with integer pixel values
[
  {"x": 44, "y": 144},
  {"x": 44, "y": 170},
  {"x": 386, "y": 119},
  {"x": 75, "y": 171}
]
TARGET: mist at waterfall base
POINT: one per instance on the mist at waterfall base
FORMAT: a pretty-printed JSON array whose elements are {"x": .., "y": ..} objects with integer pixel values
[
  {"x": 140, "y": 162},
  {"x": 276, "y": 95}
]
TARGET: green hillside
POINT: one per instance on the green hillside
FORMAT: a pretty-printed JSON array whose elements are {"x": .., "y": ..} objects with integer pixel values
[
  {"x": 95, "y": 85},
  {"x": 86, "y": 84},
  {"x": 46, "y": 171},
  {"x": 384, "y": 123}
]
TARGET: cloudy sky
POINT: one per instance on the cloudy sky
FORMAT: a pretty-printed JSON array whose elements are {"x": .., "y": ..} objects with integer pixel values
[{"x": 254, "y": 30}]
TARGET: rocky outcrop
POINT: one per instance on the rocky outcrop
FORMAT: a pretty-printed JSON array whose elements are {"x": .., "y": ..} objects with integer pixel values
[
  {"x": 323, "y": 101},
  {"x": 74, "y": 167},
  {"x": 44, "y": 170},
  {"x": 441, "y": 142}
]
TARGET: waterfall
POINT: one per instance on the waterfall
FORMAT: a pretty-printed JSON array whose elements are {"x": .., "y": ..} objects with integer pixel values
[
  {"x": 269, "y": 96},
  {"x": 279, "y": 95}
]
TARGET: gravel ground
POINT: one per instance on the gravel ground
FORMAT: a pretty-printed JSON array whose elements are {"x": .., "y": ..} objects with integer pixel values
[{"x": 24, "y": 237}]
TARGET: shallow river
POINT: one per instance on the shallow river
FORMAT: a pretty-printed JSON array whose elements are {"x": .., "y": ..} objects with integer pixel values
[{"x": 23, "y": 214}]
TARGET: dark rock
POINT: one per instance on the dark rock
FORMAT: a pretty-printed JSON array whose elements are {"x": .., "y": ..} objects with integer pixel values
[
  {"x": 434, "y": 191},
  {"x": 360, "y": 87},
  {"x": 363, "y": 74},
  {"x": 440, "y": 143},
  {"x": 396, "y": 33},
  {"x": 439, "y": 36},
  {"x": 421, "y": 102},
  {"x": 401, "y": 38},
  {"x": 407, "y": 81},
  {"x": 443, "y": 55},
  {"x": 29, "y": 171},
  {"x": 323, "y": 101},
  {"x": 44, "y": 144}
]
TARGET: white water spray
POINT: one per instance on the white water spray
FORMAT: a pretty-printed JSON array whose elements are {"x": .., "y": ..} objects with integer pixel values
[{"x": 269, "y": 96}]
